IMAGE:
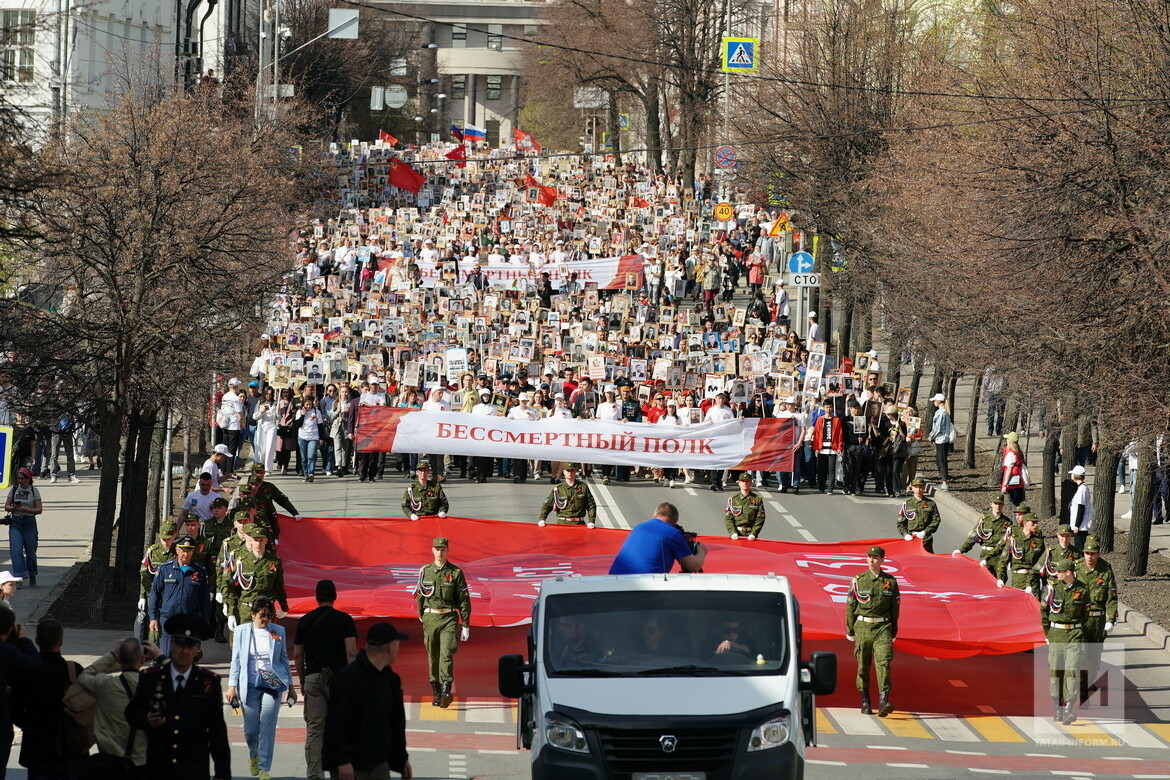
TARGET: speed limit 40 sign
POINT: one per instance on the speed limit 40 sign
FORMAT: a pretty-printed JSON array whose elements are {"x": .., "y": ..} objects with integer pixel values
[{"x": 724, "y": 211}]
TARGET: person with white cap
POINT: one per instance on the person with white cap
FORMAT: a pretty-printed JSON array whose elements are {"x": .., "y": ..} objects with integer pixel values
[
  {"x": 1080, "y": 509},
  {"x": 231, "y": 418},
  {"x": 522, "y": 411},
  {"x": 942, "y": 433},
  {"x": 9, "y": 582},
  {"x": 814, "y": 328},
  {"x": 220, "y": 455}
]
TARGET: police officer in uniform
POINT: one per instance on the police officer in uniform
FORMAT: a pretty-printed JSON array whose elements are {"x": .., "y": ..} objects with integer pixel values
[
  {"x": 1062, "y": 550},
  {"x": 257, "y": 572},
  {"x": 987, "y": 533},
  {"x": 1063, "y": 613},
  {"x": 181, "y": 586},
  {"x": 443, "y": 602},
  {"x": 424, "y": 496},
  {"x": 744, "y": 513},
  {"x": 871, "y": 623},
  {"x": 179, "y": 706},
  {"x": 1020, "y": 555},
  {"x": 919, "y": 516},
  {"x": 156, "y": 555},
  {"x": 1097, "y": 574},
  {"x": 572, "y": 500}
]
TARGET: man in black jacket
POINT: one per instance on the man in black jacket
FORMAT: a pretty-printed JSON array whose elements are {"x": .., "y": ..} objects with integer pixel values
[
  {"x": 38, "y": 703},
  {"x": 18, "y": 659},
  {"x": 365, "y": 728}
]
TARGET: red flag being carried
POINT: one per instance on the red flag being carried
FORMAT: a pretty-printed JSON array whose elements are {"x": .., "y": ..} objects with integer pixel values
[
  {"x": 545, "y": 195},
  {"x": 641, "y": 203},
  {"x": 405, "y": 177},
  {"x": 459, "y": 154},
  {"x": 525, "y": 141},
  {"x": 386, "y": 138}
]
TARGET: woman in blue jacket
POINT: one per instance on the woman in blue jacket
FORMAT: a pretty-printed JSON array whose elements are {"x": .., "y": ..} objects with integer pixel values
[{"x": 259, "y": 677}]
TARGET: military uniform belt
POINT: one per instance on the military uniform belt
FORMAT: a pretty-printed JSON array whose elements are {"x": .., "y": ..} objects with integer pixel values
[
  {"x": 987, "y": 546},
  {"x": 1065, "y": 626},
  {"x": 440, "y": 611},
  {"x": 1096, "y": 612},
  {"x": 1021, "y": 571},
  {"x": 865, "y": 619}
]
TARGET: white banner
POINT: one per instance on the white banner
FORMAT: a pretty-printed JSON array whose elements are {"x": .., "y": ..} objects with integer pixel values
[{"x": 608, "y": 273}]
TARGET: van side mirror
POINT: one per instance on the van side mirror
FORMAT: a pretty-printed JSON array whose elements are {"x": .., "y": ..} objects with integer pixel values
[
  {"x": 511, "y": 670},
  {"x": 824, "y": 672}
]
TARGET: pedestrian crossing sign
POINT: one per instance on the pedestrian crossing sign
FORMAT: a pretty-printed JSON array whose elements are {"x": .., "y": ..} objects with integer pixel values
[
  {"x": 741, "y": 55},
  {"x": 5, "y": 455}
]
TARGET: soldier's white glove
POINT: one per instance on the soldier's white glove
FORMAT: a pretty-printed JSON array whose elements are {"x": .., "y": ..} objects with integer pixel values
[
  {"x": 541, "y": 524},
  {"x": 1108, "y": 627},
  {"x": 141, "y": 605},
  {"x": 298, "y": 518},
  {"x": 850, "y": 637},
  {"x": 999, "y": 583},
  {"x": 1028, "y": 589},
  {"x": 219, "y": 596},
  {"x": 920, "y": 534},
  {"x": 464, "y": 634},
  {"x": 983, "y": 563},
  {"x": 232, "y": 622},
  {"x": 590, "y": 525},
  {"x": 734, "y": 537},
  {"x": 956, "y": 554},
  {"x": 442, "y": 515},
  {"x": 907, "y": 537},
  {"x": 413, "y": 516},
  {"x": 1046, "y": 641},
  {"x": 751, "y": 537}
]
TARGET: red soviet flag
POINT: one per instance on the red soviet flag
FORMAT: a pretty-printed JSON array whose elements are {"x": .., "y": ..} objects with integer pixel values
[
  {"x": 402, "y": 175},
  {"x": 386, "y": 138},
  {"x": 459, "y": 154},
  {"x": 545, "y": 195},
  {"x": 525, "y": 140}
]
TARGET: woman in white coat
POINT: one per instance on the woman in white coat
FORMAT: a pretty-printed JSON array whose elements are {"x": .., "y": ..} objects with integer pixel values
[
  {"x": 259, "y": 677},
  {"x": 265, "y": 441}
]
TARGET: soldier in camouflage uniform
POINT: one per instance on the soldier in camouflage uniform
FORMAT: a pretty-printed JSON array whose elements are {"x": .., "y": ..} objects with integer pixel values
[
  {"x": 1062, "y": 614},
  {"x": 871, "y": 623},
  {"x": 225, "y": 561},
  {"x": 256, "y": 571},
  {"x": 572, "y": 501},
  {"x": 156, "y": 555},
  {"x": 744, "y": 513},
  {"x": 1063, "y": 550},
  {"x": 1097, "y": 574},
  {"x": 424, "y": 496},
  {"x": 268, "y": 496},
  {"x": 919, "y": 516},
  {"x": 443, "y": 601},
  {"x": 1020, "y": 555},
  {"x": 987, "y": 533},
  {"x": 204, "y": 552}
]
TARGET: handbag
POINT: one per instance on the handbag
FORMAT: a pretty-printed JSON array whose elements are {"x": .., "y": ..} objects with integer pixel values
[
  {"x": 284, "y": 431},
  {"x": 270, "y": 681}
]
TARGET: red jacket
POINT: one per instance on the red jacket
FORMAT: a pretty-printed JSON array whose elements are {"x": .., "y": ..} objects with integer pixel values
[{"x": 836, "y": 439}]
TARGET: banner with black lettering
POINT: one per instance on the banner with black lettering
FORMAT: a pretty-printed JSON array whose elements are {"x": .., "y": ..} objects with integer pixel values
[
  {"x": 608, "y": 273},
  {"x": 749, "y": 444}
]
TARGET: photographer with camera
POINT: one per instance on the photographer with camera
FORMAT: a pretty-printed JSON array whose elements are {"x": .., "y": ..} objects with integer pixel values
[
  {"x": 23, "y": 505},
  {"x": 655, "y": 544}
]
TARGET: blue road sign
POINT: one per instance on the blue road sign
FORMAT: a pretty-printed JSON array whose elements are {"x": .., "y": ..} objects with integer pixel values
[
  {"x": 5, "y": 455},
  {"x": 800, "y": 263}
]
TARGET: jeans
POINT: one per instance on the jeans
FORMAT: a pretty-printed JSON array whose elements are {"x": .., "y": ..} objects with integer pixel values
[
  {"x": 260, "y": 709},
  {"x": 326, "y": 451},
  {"x": 62, "y": 439},
  {"x": 308, "y": 452},
  {"x": 22, "y": 545}
]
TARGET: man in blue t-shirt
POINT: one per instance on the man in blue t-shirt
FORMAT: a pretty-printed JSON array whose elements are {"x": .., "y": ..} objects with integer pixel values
[{"x": 654, "y": 545}]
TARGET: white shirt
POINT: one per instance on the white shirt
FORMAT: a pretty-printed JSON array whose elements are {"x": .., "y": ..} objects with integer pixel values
[
  {"x": 560, "y": 412},
  {"x": 372, "y": 399},
  {"x": 486, "y": 409},
  {"x": 522, "y": 413},
  {"x": 608, "y": 411},
  {"x": 719, "y": 414},
  {"x": 211, "y": 467},
  {"x": 435, "y": 406},
  {"x": 200, "y": 505},
  {"x": 1081, "y": 498},
  {"x": 230, "y": 410}
]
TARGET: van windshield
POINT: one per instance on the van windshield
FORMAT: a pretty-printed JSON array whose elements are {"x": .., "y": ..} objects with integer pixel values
[{"x": 665, "y": 633}]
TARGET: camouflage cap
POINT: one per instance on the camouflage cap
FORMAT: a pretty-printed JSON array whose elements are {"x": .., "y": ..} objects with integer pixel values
[
  {"x": 1064, "y": 529},
  {"x": 423, "y": 464},
  {"x": 744, "y": 476},
  {"x": 918, "y": 481},
  {"x": 256, "y": 531},
  {"x": 1092, "y": 545},
  {"x": 1022, "y": 509},
  {"x": 1029, "y": 518},
  {"x": 440, "y": 541},
  {"x": 570, "y": 467},
  {"x": 876, "y": 551},
  {"x": 167, "y": 528},
  {"x": 258, "y": 468},
  {"x": 221, "y": 501},
  {"x": 248, "y": 502},
  {"x": 996, "y": 499},
  {"x": 1065, "y": 565}
]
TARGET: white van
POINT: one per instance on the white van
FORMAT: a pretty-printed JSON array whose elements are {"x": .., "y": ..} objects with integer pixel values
[{"x": 679, "y": 676}]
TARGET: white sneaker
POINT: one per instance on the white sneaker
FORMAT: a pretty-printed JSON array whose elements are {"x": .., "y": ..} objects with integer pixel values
[
  {"x": 1128, "y": 515},
  {"x": 1121, "y": 489},
  {"x": 590, "y": 525},
  {"x": 671, "y": 484},
  {"x": 942, "y": 486},
  {"x": 52, "y": 477},
  {"x": 73, "y": 478},
  {"x": 541, "y": 524}
]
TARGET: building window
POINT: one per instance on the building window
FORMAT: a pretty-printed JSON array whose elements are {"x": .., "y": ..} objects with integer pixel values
[
  {"x": 530, "y": 30},
  {"x": 16, "y": 44},
  {"x": 494, "y": 84},
  {"x": 459, "y": 86},
  {"x": 458, "y": 36},
  {"x": 398, "y": 67},
  {"x": 495, "y": 37}
]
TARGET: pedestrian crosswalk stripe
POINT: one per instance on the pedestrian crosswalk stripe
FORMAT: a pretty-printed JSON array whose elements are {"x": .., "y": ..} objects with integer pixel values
[
  {"x": 1131, "y": 734},
  {"x": 1161, "y": 729},
  {"x": 1038, "y": 729},
  {"x": 428, "y": 711},
  {"x": 484, "y": 714},
  {"x": 1089, "y": 734},
  {"x": 823, "y": 724},
  {"x": 854, "y": 723},
  {"x": 902, "y": 724},
  {"x": 994, "y": 728},
  {"x": 949, "y": 729}
]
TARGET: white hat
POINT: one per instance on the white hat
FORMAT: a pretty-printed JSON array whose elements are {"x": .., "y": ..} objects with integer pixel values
[
  {"x": 523, "y": 397},
  {"x": 373, "y": 379},
  {"x": 222, "y": 449},
  {"x": 559, "y": 395},
  {"x": 485, "y": 393},
  {"x": 1078, "y": 470},
  {"x": 558, "y": 241},
  {"x": 7, "y": 576},
  {"x": 812, "y": 315},
  {"x": 233, "y": 382},
  {"x": 790, "y": 399},
  {"x": 872, "y": 353},
  {"x": 611, "y": 388},
  {"x": 938, "y": 397}
]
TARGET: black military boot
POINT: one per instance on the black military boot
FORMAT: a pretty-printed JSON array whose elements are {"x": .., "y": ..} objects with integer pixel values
[
  {"x": 1059, "y": 705},
  {"x": 445, "y": 697},
  {"x": 1069, "y": 717},
  {"x": 437, "y": 694},
  {"x": 884, "y": 706},
  {"x": 866, "y": 708}
]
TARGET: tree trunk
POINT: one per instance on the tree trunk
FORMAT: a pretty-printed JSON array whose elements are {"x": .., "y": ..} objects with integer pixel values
[
  {"x": 154, "y": 481},
  {"x": 132, "y": 517},
  {"x": 937, "y": 380},
  {"x": 1048, "y": 472},
  {"x": 1105, "y": 493},
  {"x": 1144, "y": 486},
  {"x": 110, "y": 428},
  {"x": 845, "y": 335},
  {"x": 915, "y": 382},
  {"x": 972, "y": 424},
  {"x": 651, "y": 104}
]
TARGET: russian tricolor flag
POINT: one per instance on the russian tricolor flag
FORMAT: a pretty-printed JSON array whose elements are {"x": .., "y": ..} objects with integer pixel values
[{"x": 473, "y": 133}]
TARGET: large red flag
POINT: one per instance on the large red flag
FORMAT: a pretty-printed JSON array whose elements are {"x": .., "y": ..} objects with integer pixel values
[
  {"x": 459, "y": 154},
  {"x": 525, "y": 140},
  {"x": 386, "y": 138},
  {"x": 402, "y": 175},
  {"x": 545, "y": 195}
]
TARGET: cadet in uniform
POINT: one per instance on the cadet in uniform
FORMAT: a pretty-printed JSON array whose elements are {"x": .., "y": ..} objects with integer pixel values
[
  {"x": 919, "y": 516},
  {"x": 257, "y": 571},
  {"x": 180, "y": 587},
  {"x": 1062, "y": 614},
  {"x": 443, "y": 601},
  {"x": 424, "y": 496},
  {"x": 268, "y": 496},
  {"x": 179, "y": 706},
  {"x": 744, "y": 513},
  {"x": 1097, "y": 574},
  {"x": 204, "y": 553},
  {"x": 156, "y": 555},
  {"x": 987, "y": 533},
  {"x": 871, "y": 623},
  {"x": 572, "y": 500},
  {"x": 1020, "y": 554},
  {"x": 1062, "y": 550}
]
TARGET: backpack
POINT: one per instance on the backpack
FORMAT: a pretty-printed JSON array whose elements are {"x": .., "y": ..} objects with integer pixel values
[{"x": 79, "y": 706}]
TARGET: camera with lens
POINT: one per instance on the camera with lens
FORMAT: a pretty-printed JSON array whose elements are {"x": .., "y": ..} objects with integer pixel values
[{"x": 692, "y": 539}]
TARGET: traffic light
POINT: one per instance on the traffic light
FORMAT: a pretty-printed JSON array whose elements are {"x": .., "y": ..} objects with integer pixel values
[{"x": 590, "y": 125}]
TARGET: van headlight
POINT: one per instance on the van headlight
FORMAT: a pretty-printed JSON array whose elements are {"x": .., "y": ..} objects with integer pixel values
[
  {"x": 564, "y": 733},
  {"x": 770, "y": 734}
]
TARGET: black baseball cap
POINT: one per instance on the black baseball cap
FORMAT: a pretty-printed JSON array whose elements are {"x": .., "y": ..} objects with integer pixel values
[{"x": 381, "y": 634}]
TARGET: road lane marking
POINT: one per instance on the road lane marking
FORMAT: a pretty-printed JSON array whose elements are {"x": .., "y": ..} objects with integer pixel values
[
  {"x": 610, "y": 515},
  {"x": 854, "y": 723},
  {"x": 1089, "y": 734},
  {"x": 1131, "y": 734},
  {"x": 1039, "y": 729},
  {"x": 908, "y": 766},
  {"x": 966, "y": 752},
  {"x": 824, "y": 763},
  {"x": 805, "y": 533},
  {"x": 990, "y": 771},
  {"x": 905, "y": 725},
  {"x": 428, "y": 711},
  {"x": 958, "y": 683},
  {"x": 949, "y": 729},
  {"x": 994, "y": 728},
  {"x": 1161, "y": 729},
  {"x": 485, "y": 714},
  {"x": 885, "y": 747},
  {"x": 823, "y": 724},
  {"x": 985, "y": 708}
]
